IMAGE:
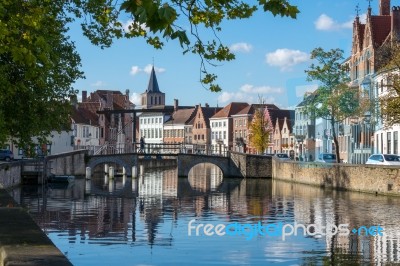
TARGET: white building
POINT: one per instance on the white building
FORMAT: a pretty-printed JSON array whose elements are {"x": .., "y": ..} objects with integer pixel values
[
  {"x": 386, "y": 140},
  {"x": 151, "y": 127}
]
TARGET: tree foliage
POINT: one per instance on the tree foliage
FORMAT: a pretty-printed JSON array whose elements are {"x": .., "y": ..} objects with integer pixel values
[
  {"x": 186, "y": 21},
  {"x": 260, "y": 129},
  {"x": 334, "y": 100},
  {"x": 389, "y": 101},
  {"x": 38, "y": 65}
]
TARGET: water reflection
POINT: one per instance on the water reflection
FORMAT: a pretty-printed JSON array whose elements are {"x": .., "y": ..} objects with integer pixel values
[{"x": 144, "y": 220}]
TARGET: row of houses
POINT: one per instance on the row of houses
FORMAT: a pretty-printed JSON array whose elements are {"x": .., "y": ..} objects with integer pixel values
[
  {"x": 363, "y": 135},
  {"x": 107, "y": 119},
  {"x": 120, "y": 124}
]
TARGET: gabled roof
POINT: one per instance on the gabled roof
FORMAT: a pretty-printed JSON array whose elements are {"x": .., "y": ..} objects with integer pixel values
[
  {"x": 208, "y": 112},
  {"x": 249, "y": 110},
  {"x": 380, "y": 28},
  {"x": 118, "y": 99},
  {"x": 82, "y": 115},
  {"x": 153, "y": 84},
  {"x": 182, "y": 116},
  {"x": 280, "y": 114},
  {"x": 231, "y": 109}
]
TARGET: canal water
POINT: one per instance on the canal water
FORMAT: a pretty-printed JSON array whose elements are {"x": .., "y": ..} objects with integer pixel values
[{"x": 160, "y": 219}]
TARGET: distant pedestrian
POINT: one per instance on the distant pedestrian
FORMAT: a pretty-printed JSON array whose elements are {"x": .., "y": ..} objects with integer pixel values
[{"x": 142, "y": 144}]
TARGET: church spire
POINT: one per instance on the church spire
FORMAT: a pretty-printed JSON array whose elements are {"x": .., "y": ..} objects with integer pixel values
[{"x": 153, "y": 84}]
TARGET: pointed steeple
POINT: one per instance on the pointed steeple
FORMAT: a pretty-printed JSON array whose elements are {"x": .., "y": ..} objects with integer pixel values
[{"x": 153, "y": 84}]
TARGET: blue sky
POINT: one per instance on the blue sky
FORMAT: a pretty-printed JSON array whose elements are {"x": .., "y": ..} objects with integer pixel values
[{"x": 272, "y": 54}]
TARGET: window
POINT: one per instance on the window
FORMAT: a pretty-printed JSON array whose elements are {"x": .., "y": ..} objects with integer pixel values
[
  {"x": 389, "y": 142},
  {"x": 395, "y": 142},
  {"x": 224, "y": 123},
  {"x": 224, "y": 134},
  {"x": 212, "y": 135}
]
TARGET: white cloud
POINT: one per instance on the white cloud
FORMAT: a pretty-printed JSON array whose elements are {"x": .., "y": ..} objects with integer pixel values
[
  {"x": 301, "y": 90},
  {"x": 147, "y": 69},
  {"x": 241, "y": 47},
  {"x": 227, "y": 97},
  {"x": 247, "y": 88},
  {"x": 134, "y": 70},
  {"x": 326, "y": 23},
  {"x": 286, "y": 58},
  {"x": 136, "y": 98},
  {"x": 98, "y": 83}
]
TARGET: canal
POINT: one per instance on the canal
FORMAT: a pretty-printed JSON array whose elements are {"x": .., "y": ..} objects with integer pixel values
[{"x": 160, "y": 219}]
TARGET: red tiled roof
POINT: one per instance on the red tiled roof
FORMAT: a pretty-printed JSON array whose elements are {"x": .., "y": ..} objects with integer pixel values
[
  {"x": 231, "y": 109},
  {"x": 182, "y": 116},
  {"x": 84, "y": 116}
]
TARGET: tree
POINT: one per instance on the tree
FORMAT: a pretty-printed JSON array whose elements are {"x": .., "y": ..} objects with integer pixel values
[
  {"x": 389, "y": 101},
  {"x": 38, "y": 65},
  {"x": 334, "y": 100},
  {"x": 158, "y": 20},
  {"x": 260, "y": 129}
]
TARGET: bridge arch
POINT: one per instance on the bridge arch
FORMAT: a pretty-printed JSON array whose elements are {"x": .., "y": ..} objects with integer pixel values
[
  {"x": 126, "y": 161},
  {"x": 187, "y": 161}
]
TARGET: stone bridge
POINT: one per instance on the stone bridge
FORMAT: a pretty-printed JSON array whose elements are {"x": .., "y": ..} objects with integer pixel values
[
  {"x": 127, "y": 161},
  {"x": 187, "y": 161}
]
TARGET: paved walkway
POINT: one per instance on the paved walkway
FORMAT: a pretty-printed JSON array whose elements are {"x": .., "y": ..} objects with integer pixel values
[{"x": 22, "y": 242}]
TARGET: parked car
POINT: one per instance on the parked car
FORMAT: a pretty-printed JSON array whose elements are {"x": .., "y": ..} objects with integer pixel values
[
  {"x": 6, "y": 155},
  {"x": 326, "y": 158},
  {"x": 282, "y": 156},
  {"x": 383, "y": 159}
]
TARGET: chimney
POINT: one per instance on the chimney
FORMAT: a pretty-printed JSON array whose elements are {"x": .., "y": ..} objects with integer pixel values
[
  {"x": 207, "y": 105},
  {"x": 176, "y": 105},
  {"x": 84, "y": 96},
  {"x": 395, "y": 23},
  {"x": 384, "y": 7}
]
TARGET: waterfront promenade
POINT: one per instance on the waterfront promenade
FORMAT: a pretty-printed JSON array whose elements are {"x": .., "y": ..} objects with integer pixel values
[{"x": 22, "y": 242}]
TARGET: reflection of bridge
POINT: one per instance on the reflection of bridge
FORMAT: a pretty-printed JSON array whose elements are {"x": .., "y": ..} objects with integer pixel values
[{"x": 185, "y": 162}]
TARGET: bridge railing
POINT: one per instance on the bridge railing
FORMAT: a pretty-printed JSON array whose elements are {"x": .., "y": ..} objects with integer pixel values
[{"x": 158, "y": 148}]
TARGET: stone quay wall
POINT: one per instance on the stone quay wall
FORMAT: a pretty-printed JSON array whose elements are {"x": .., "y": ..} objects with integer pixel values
[
  {"x": 10, "y": 174},
  {"x": 251, "y": 165},
  {"x": 68, "y": 163},
  {"x": 363, "y": 178}
]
